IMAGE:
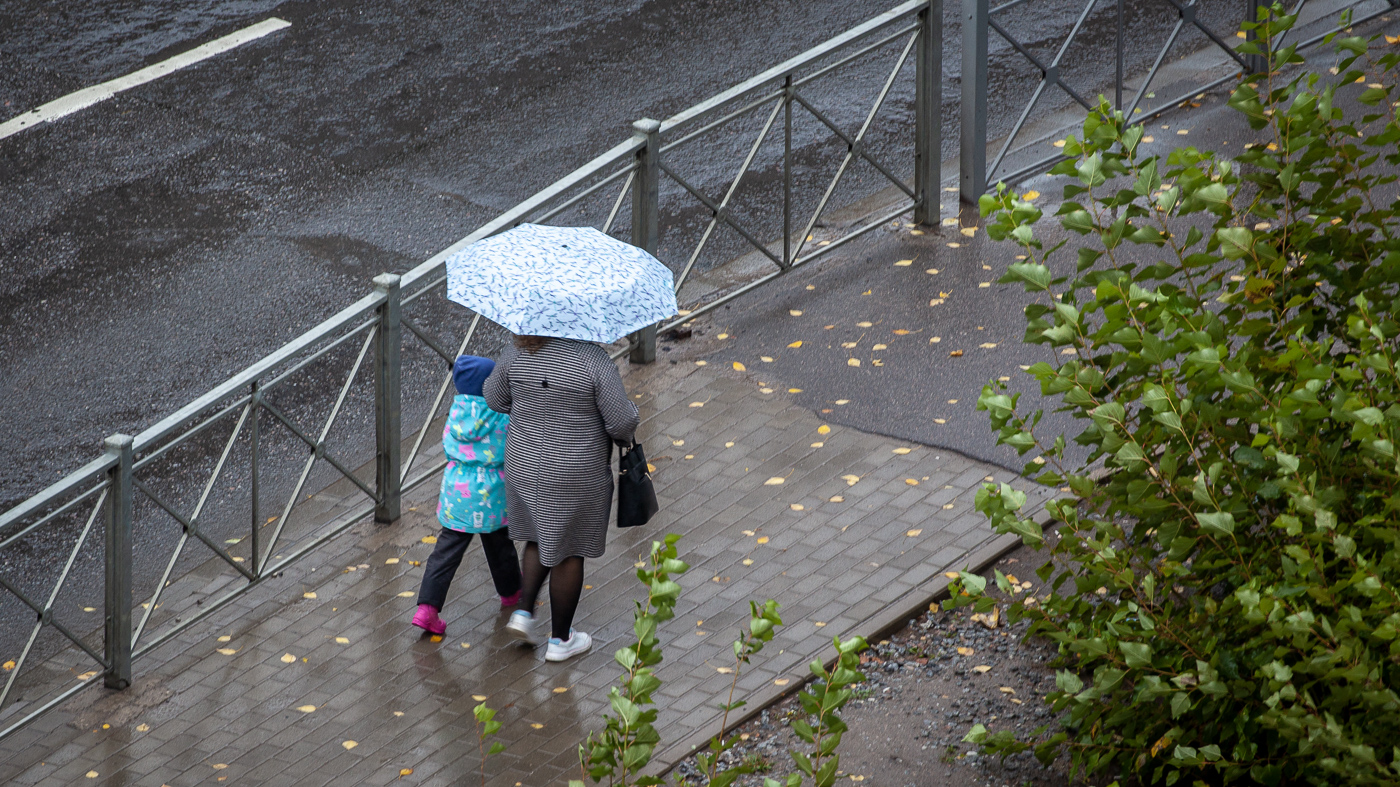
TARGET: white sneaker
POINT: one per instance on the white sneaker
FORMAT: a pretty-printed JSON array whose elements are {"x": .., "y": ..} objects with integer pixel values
[
  {"x": 559, "y": 650},
  {"x": 522, "y": 626}
]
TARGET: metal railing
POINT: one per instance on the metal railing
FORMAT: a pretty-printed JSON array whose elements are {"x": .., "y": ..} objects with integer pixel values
[
  {"x": 980, "y": 18},
  {"x": 194, "y": 490}
]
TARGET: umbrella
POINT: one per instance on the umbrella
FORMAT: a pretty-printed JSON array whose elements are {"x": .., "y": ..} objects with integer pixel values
[{"x": 567, "y": 282}]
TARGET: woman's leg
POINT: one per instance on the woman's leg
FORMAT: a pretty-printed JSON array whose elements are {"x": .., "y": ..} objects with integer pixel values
[
  {"x": 503, "y": 562},
  {"x": 442, "y": 567},
  {"x": 534, "y": 574},
  {"x": 565, "y": 587}
]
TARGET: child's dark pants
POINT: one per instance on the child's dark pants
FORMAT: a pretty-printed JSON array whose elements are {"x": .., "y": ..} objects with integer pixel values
[{"x": 442, "y": 565}]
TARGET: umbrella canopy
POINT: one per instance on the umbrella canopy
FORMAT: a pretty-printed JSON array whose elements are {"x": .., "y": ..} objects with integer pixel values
[{"x": 566, "y": 282}]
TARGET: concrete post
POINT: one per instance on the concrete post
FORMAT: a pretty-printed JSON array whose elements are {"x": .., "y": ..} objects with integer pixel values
[
  {"x": 646, "y": 210},
  {"x": 117, "y": 596},
  {"x": 928, "y": 114},
  {"x": 387, "y": 404}
]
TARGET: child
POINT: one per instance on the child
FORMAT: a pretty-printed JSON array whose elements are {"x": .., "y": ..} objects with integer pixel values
[{"x": 473, "y": 498}]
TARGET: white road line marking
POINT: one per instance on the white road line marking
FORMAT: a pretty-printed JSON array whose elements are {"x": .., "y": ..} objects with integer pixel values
[{"x": 86, "y": 97}]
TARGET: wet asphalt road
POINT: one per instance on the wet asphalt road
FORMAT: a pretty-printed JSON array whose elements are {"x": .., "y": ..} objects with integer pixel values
[{"x": 158, "y": 242}]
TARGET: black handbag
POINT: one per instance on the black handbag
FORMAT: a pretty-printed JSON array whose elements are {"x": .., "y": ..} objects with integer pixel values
[{"x": 636, "y": 498}]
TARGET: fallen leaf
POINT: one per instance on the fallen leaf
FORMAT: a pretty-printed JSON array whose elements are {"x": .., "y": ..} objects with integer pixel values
[
  {"x": 903, "y": 263},
  {"x": 780, "y": 681},
  {"x": 702, "y": 363},
  {"x": 848, "y": 345},
  {"x": 955, "y": 354},
  {"x": 697, "y": 404},
  {"x": 560, "y": 689},
  {"x": 750, "y": 533},
  {"x": 406, "y": 594},
  {"x": 797, "y": 507},
  {"x": 982, "y": 668},
  {"x": 795, "y": 312},
  {"x": 850, "y": 479},
  {"x": 1181, "y": 132},
  {"x": 391, "y": 561},
  {"x": 143, "y": 727},
  {"x": 722, "y": 336},
  {"x": 776, "y": 480},
  {"x": 311, "y": 594},
  {"x": 92, "y": 774},
  {"x": 739, "y": 367},
  {"x": 429, "y": 539},
  {"x": 1059, "y": 143},
  {"x": 987, "y": 345},
  {"x": 877, "y": 362},
  {"x": 405, "y": 772},
  {"x": 479, "y": 697},
  {"x": 951, "y": 574},
  {"x": 729, "y": 444},
  {"x": 931, "y": 271},
  {"x": 342, "y": 640},
  {"x": 762, "y": 540},
  {"x": 724, "y": 670},
  {"x": 765, "y": 390},
  {"x": 988, "y": 619},
  {"x": 307, "y": 708},
  {"x": 836, "y": 499},
  {"x": 913, "y": 533},
  {"x": 796, "y": 344},
  {"x": 880, "y": 347},
  {"x": 748, "y": 561},
  {"x": 912, "y": 481},
  {"x": 864, "y": 324},
  {"x": 435, "y": 638},
  {"x": 348, "y": 745},
  {"x": 1006, "y": 690},
  {"x": 966, "y": 651},
  {"x": 950, "y": 222},
  {"x": 794, "y": 390},
  {"x": 651, "y": 468},
  {"x": 766, "y": 358},
  {"x": 968, "y": 232},
  {"x": 1031, "y": 196},
  {"x": 8, "y": 666},
  {"x": 842, "y": 401},
  {"x": 916, "y": 232},
  {"x": 853, "y": 362},
  {"x": 89, "y": 609},
  {"x": 227, "y": 651},
  {"x": 947, "y": 506},
  {"x": 984, "y": 285},
  {"x": 935, "y": 339},
  {"x": 1148, "y": 138},
  {"x": 902, "y": 450},
  {"x": 288, "y": 658},
  {"x": 936, "y": 302},
  {"x": 955, "y": 245},
  {"x": 940, "y": 420}
]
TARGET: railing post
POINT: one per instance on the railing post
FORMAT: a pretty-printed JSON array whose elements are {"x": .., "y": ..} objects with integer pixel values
[
  {"x": 646, "y": 228},
  {"x": 387, "y": 412},
  {"x": 973, "y": 144},
  {"x": 117, "y": 598},
  {"x": 1255, "y": 64},
  {"x": 928, "y": 114}
]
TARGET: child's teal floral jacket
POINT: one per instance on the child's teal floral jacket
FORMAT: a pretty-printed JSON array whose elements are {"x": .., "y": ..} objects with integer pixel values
[{"x": 473, "y": 498}]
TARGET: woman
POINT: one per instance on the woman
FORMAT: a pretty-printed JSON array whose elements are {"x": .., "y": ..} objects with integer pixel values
[{"x": 567, "y": 405}]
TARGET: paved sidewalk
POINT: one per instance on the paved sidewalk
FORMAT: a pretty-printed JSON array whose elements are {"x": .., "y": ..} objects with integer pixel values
[{"x": 840, "y": 556}]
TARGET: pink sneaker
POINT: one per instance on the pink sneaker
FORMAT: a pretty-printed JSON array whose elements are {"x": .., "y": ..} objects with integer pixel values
[
  {"x": 510, "y": 601},
  {"x": 426, "y": 618}
]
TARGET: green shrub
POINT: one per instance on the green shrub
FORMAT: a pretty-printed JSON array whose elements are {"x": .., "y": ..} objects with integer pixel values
[{"x": 1224, "y": 596}]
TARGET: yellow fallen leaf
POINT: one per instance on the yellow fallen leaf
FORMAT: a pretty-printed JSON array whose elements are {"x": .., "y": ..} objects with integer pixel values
[
  {"x": 560, "y": 689},
  {"x": 729, "y": 444},
  {"x": 940, "y": 420},
  {"x": 762, "y": 540},
  {"x": 880, "y": 347},
  {"x": 697, "y": 404},
  {"x": 848, "y": 345},
  {"x": 902, "y": 450},
  {"x": 435, "y": 638},
  {"x": 968, "y": 232},
  {"x": 842, "y": 401},
  {"x": 935, "y": 339},
  {"x": 947, "y": 506},
  {"x": 739, "y": 367},
  {"x": 794, "y": 390},
  {"x": 936, "y": 302},
  {"x": 950, "y": 222},
  {"x": 342, "y": 640},
  {"x": 766, "y": 358},
  {"x": 306, "y": 708},
  {"x": 955, "y": 354},
  {"x": 1181, "y": 132},
  {"x": 965, "y": 651},
  {"x": 818, "y": 444},
  {"x": 836, "y": 499},
  {"x": 651, "y": 468},
  {"x": 89, "y": 609},
  {"x": 429, "y": 539},
  {"x": 702, "y": 363},
  {"x": 1059, "y": 143},
  {"x": 748, "y": 561},
  {"x": 1031, "y": 196},
  {"x": 795, "y": 312},
  {"x": 1148, "y": 139},
  {"x": 913, "y": 533},
  {"x": 311, "y": 594},
  {"x": 955, "y": 245},
  {"x": 406, "y": 594},
  {"x": 984, "y": 285},
  {"x": 797, "y": 507},
  {"x": 393, "y": 561},
  {"x": 916, "y": 232},
  {"x": 8, "y": 666},
  {"x": 912, "y": 481},
  {"x": 780, "y": 681},
  {"x": 288, "y": 658},
  {"x": 143, "y": 727},
  {"x": 722, "y": 336},
  {"x": 776, "y": 480},
  {"x": 865, "y": 324},
  {"x": 348, "y": 745},
  {"x": 724, "y": 670},
  {"x": 951, "y": 574},
  {"x": 796, "y": 344},
  {"x": 227, "y": 651},
  {"x": 853, "y": 362},
  {"x": 987, "y": 345},
  {"x": 748, "y": 533},
  {"x": 823, "y": 429},
  {"x": 982, "y": 668},
  {"x": 1006, "y": 690},
  {"x": 931, "y": 271},
  {"x": 92, "y": 774},
  {"x": 903, "y": 263},
  {"x": 405, "y": 772},
  {"x": 765, "y": 390},
  {"x": 479, "y": 697}
]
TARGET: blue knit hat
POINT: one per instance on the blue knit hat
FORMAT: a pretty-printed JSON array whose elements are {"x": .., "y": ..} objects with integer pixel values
[{"x": 469, "y": 373}]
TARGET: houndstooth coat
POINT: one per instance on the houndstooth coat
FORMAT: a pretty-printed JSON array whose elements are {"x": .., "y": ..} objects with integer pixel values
[{"x": 566, "y": 404}]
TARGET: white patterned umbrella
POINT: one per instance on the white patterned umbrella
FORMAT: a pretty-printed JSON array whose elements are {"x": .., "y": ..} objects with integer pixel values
[{"x": 567, "y": 282}]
